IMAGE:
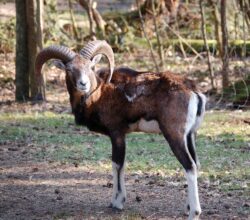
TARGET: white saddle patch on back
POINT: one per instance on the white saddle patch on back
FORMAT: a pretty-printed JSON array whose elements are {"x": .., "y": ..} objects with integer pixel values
[{"x": 145, "y": 126}]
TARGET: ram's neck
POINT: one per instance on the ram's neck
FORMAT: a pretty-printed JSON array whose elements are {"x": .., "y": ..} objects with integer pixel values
[
  {"x": 93, "y": 99},
  {"x": 93, "y": 110}
]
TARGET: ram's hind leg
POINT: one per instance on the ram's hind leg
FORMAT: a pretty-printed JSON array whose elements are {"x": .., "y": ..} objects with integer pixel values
[
  {"x": 192, "y": 148},
  {"x": 178, "y": 144},
  {"x": 118, "y": 156}
]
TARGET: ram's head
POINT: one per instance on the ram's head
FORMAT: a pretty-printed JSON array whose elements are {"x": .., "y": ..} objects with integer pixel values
[{"x": 79, "y": 67}]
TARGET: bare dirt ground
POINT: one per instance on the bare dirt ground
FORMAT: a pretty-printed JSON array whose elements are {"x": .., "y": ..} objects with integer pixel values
[
  {"x": 32, "y": 189},
  {"x": 44, "y": 190}
]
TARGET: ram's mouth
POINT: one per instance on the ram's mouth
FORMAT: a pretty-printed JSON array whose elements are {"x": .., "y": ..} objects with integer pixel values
[{"x": 83, "y": 88}]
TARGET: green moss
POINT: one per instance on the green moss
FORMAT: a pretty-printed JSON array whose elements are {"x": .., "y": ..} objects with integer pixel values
[{"x": 235, "y": 47}]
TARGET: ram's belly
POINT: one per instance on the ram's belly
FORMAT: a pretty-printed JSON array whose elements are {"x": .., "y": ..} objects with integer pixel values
[{"x": 145, "y": 126}]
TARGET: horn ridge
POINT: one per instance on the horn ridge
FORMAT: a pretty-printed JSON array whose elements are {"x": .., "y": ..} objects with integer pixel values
[
  {"x": 53, "y": 52},
  {"x": 89, "y": 49},
  {"x": 99, "y": 47}
]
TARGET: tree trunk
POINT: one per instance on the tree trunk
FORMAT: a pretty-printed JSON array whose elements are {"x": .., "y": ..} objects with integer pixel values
[
  {"x": 245, "y": 8},
  {"x": 203, "y": 29},
  {"x": 34, "y": 21},
  {"x": 100, "y": 23},
  {"x": 217, "y": 25},
  {"x": 95, "y": 18},
  {"x": 87, "y": 5},
  {"x": 28, "y": 43},
  {"x": 22, "y": 74},
  {"x": 159, "y": 6},
  {"x": 225, "y": 58},
  {"x": 145, "y": 35},
  {"x": 74, "y": 25},
  {"x": 159, "y": 42}
]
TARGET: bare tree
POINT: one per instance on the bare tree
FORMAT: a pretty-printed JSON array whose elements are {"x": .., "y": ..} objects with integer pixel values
[
  {"x": 22, "y": 74},
  {"x": 225, "y": 58},
  {"x": 100, "y": 23},
  {"x": 146, "y": 36},
  {"x": 87, "y": 5},
  {"x": 159, "y": 42},
  {"x": 94, "y": 16},
  {"x": 168, "y": 7},
  {"x": 203, "y": 29},
  {"x": 74, "y": 25},
  {"x": 217, "y": 24},
  {"x": 29, "y": 42},
  {"x": 245, "y": 8},
  {"x": 34, "y": 10}
]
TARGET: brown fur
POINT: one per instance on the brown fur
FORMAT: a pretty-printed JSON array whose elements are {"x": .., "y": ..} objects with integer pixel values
[
  {"x": 163, "y": 97},
  {"x": 133, "y": 97},
  {"x": 155, "y": 99},
  {"x": 125, "y": 75}
]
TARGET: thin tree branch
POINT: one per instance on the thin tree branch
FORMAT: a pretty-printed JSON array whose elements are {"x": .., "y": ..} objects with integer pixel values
[
  {"x": 224, "y": 32},
  {"x": 160, "y": 47},
  {"x": 203, "y": 28},
  {"x": 74, "y": 25},
  {"x": 145, "y": 35},
  {"x": 184, "y": 41},
  {"x": 217, "y": 25}
]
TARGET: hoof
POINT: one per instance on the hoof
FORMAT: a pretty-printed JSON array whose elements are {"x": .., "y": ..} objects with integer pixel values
[
  {"x": 114, "y": 208},
  {"x": 118, "y": 201},
  {"x": 194, "y": 215}
]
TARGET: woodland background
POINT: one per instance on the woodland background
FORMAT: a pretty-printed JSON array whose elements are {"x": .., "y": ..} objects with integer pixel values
[
  {"x": 210, "y": 39},
  {"x": 52, "y": 169}
]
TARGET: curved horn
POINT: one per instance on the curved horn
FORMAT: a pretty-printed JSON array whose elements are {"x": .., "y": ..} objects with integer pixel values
[
  {"x": 53, "y": 52},
  {"x": 99, "y": 47}
]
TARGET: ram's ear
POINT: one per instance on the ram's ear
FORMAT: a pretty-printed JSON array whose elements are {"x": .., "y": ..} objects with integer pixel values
[
  {"x": 59, "y": 64},
  {"x": 96, "y": 59}
]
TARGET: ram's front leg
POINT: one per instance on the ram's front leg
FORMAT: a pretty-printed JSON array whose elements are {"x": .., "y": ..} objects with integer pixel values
[{"x": 118, "y": 156}]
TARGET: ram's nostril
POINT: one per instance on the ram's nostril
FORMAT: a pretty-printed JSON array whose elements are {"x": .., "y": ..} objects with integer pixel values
[{"x": 82, "y": 84}]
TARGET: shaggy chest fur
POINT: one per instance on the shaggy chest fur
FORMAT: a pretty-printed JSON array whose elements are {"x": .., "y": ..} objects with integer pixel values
[
  {"x": 91, "y": 120},
  {"x": 128, "y": 107},
  {"x": 133, "y": 123},
  {"x": 128, "y": 116}
]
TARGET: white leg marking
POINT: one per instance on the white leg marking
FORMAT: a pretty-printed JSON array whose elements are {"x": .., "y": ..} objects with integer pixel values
[
  {"x": 119, "y": 191},
  {"x": 193, "y": 197},
  {"x": 192, "y": 124},
  {"x": 191, "y": 120}
]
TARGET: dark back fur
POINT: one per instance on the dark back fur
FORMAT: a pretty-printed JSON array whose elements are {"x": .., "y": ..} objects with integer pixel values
[{"x": 109, "y": 108}]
